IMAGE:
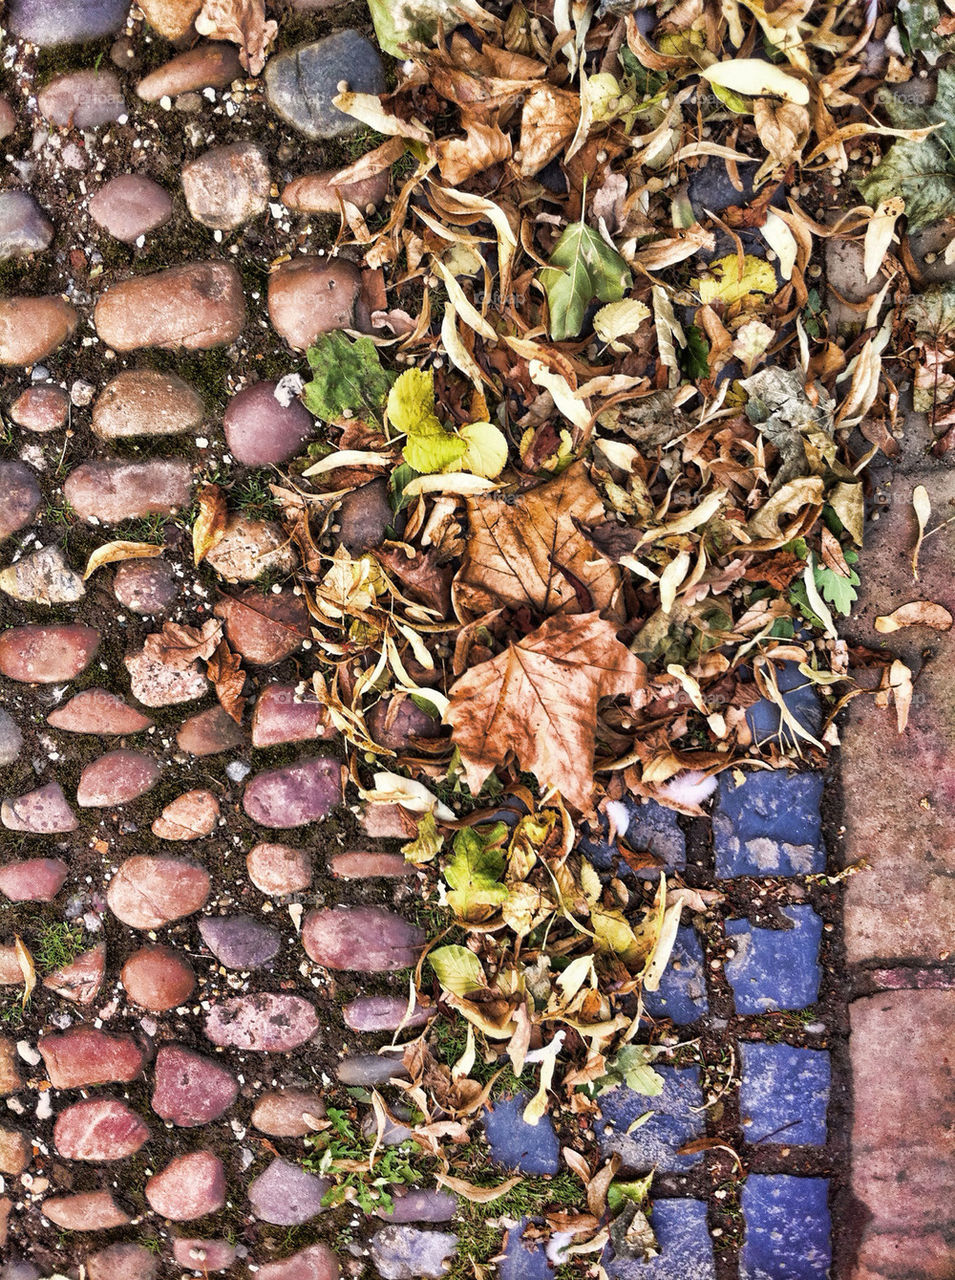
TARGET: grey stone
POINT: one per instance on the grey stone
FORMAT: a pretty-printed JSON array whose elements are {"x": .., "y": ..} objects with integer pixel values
[
  {"x": 11, "y": 739},
  {"x": 239, "y": 942},
  {"x": 21, "y": 498},
  {"x": 43, "y": 578},
  {"x": 66, "y": 22},
  {"x": 24, "y": 227},
  {"x": 227, "y": 185},
  {"x": 286, "y": 1195},
  {"x": 406, "y": 1253},
  {"x": 301, "y": 83},
  {"x": 371, "y": 1069}
]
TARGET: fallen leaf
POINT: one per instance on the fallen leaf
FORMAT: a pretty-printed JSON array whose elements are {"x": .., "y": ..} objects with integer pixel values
[
  {"x": 27, "y": 967},
  {"x": 244, "y": 23},
  {"x": 922, "y": 506},
  {"x": 756, "y": 77},
  {"x": 918, "y": 613},
  {"x": 582, "y": 267},
  {"x": 548, "y": 122},
  {"x": 209, "y": 526},
  {"x": 224, "y": 669},
  {"x": 110, "y": 552},
  {"x": 179, "y": 645}
]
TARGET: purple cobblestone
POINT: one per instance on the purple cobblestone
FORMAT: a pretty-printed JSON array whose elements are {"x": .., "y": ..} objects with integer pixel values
[
  {"x": 764, "y": 719},
  {"x": 682, "y": 992},
  {"x": 686, "y": 1251},
  {"x": 516, "y": 1145}
]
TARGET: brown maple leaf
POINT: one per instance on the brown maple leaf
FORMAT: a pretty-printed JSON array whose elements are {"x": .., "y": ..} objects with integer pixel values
[
  {"x": 224, "y": 669},
  {"x": 178, "y": 645},
  {"x": 244, "y": 23},
  {"x": 209, "y": 527},
  {"x": 537, "y": 703},
  {"x": 532, "y": 550}
]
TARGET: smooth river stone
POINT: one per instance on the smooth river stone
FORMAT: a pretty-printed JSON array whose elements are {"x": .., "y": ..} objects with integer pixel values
[
  {"x": 116, "y": 778},
  {"x": 34, "y": 880},
  {"x": 264, "y": 629},
  {"x": 249, "y": 548},
  {"x": 367, "y": 1069},
  {"x": 145, "y": 402},
  {"x": 261, "y": 431},
  {"x": 358, "y": 865},
  {"x": 122, "y": 1262},
  {"x": 155, "y": 684},
  {"x": 189, "y": 817},
  {"x": 84, "y": 1056},
  {"x": 286, "y": 1195},
  {"x": 383, "y": 1013},
  {"x": 11, "y": 975},
  {"x": 195, "y": 306},
  {"x": 288, "y": 1113},
  {"x": 314, "y": 192},
  {"x": 66, "y": 22},
  {"x": 97, "y": 711},
  {"x": 209, "y": 732},
  {"x": 362, "y": 939},
  {"x": 130, "y": 206},
  {"x": 301, "y": 83},
  {"x": 114, "y": 491},
  {"x": 422, "y": 1206},
  {"x": 41, "y": 408},
  {"x": 8, "y": 118},
  {"x": 158, "y": 978},
  {"x": 207, "y": 66},
  {"x": 279, "y": 869},
  {"x": 21, "y": 498},
  {"x": 99, "y": 1130},
  {"x": 282, "y": 716},
  {"x": 24, "y": 227},
  {"x": 191, "y": 1186},
  {"x": 81, "y": 979},
  {"x": 191, "y": 1089},
  {"x": 11, "y": 739},
  {"x": 404, "y": 1253},
  {"x": 295, "y": 794},
  {"x": 43, "y": 577},
  {"x": 148, "y": 587},
  {"x": 171, "y": 18},
  {"x": 15, "y": 1152},
  {"x": 317, "y": 1262},
  {"x": 206, "y": 1256},
  {"x": 82, "y": 99},
  {"x": 47, "y": 655},
  {"x": 309, "y": 296},
  {"x": 44, "y": 812},
  {"x": 239, "y": 942},
  {"x": 265, "y": 1022},
  {"x": 147, "y": 893},
  {"x": 32, "y": 328},
  {"x": 227, "y": 185},
  {"x": 84, "y": 1211}
]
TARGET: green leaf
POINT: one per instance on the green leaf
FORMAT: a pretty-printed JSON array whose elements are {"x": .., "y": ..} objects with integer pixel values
[
  {"x": 618, "y": 1193},
  {"x": 475, "y": 872},
  {"x": 347, "y": 377},
  {"x": 428, "y": 448},
  {"x": 632, "y": 1062},
  {"x": 922, "y": 173},
  {"x": 398, "y": 22},
  {"x": 438, "y": 451},
  {"x": 582, "y": 267},
  {"x": 694, "y": 359},
  {"x": 428, "y": 842},
  {"x": 486, "y": 449},
  {"x": 920, "y": 18},
  {"x": 458, "y": 970}
]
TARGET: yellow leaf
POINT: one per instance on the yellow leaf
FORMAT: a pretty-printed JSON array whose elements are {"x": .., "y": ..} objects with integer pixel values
[
  {"x": 411, "y": 401},
  {"x": 113, "y": 551},
  {"x": 756, "y": 78},
  {"x": 727, "y": 284},
  {"x": 487, "y": 449},
  {"x": 209, "y": 527},
  {"x": 27, "y": 968},
  {"x": 619, "y": 320}
]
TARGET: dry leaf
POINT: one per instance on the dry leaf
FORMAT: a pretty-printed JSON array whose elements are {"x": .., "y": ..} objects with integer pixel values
[
  {"x": 224, "y": 669},
  {"x": 548, "y": 121},
  {"x": 210, "y": 523},
  {"x": 244, "y": 23},
  {"x": 178, "y": 646},
  {"x": 922, "y": 506},
  {"x": 110, "y": 552},
  {"x": 461, "y": 158},
  {"x": 537, "y": 703},
  {"x": 27, "y": 967},
  {"x": 919, "y": 613}
]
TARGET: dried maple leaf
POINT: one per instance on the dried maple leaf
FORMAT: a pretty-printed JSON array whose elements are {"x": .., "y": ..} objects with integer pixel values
[
  {"x": 461, "y": 158},
  {"x": 537, "y": 702},
  {"x": 178, "y": 646},
  {"x": 548, "y": 121},
  {"x": 244, "y": 23},
  {"x": 224, "y": 669},
  {"x": 532, "y": 551},
  {"x": 210, "y": 523}
]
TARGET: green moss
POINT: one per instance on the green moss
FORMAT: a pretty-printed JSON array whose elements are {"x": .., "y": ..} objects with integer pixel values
[{"x": 57, "y": 943}]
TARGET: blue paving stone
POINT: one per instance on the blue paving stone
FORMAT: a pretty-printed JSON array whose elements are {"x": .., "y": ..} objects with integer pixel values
[
  {"x": 787, "y": 1228},
  {"x": 516, "y": 1145},
  {"x": 784, "y": 1094},
  {"x": 682, "y": 992},
  {"x": 53, "y": 22},
  {"x": 521, "y": 1262},
  {"x": 775, "y": 968},
  {"x": 763, "y": 716},
  {"x": 677, "y": 1119},
  {"x": 652, "y": 827},
  {"x": 686, "y": 1251},
  {"x": 768, "y": 824}
]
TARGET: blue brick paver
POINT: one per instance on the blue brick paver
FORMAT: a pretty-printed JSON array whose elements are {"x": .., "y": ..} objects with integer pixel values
[
  {"x": 652, "y": 827},
  {"x": 677, "y": 1119},
  {"x": 682, "y": 992},
  {"x": 532, "y": 1148},
  {"x": 775, "y": 968},
  {"x": 768, "y": 824},
  {"x": 784, "y": 1094},
  {"x": 787, "y": 1228},
  {"x": 523, "y": 1260},
  {"x": 686, "y": 1251},
  {"x": 764, "y": 719}
]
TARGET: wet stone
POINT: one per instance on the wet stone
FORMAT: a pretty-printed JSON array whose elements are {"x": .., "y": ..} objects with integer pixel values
[
  {"x": 34, "y": 880},
  {"x": 85, "y": 1056},
  {"x": 309, "y": 296},
  {"x": 364, "y": 517},
  {"x": 69, "y": 22},
  {"x": 787, "y": 1228},
  {"x": 286, "y": 1195},
  {"x": 209, "y": 732},
  {"x": 279, "y": 869},
  {"x": 288, "y": 1113},
  {"x": 41, "y": 409},
  {"x": 99, "y": 712},
  {"x": 370, "y": 1069},
  {"x": 228, "y": 185},
  {"x": 191, "y": 1089},
  {"x": 81, "y": 979},
  {"x": 681, "y": 995},
  {"x": 44, "y": 812},
  {"x": 116, "y": 778},
  {"x": 260, "y": 430},
  {"x": 686, "y": 1250},
  {"x": 784, "y": 1094},
  {"x": 264, "y": 629},
  {"x": 85, "y": 1211},
  {"x": 15, "y": 1152},
  {"x": 362, "y": 939},
  {"x": 207, "y": 66},
  {"x": 677, "y": 1119},
  {"x": 155, "y": 684},
  {"x": 10, "y": 1080},
  {"x": 189, "y": 817},
  {"x": 32, "y": 328},
  {"x": 99, "y": 1130},
  {"x": 240, "y": 942},
  {"x": 531, "y": 1148},
  {"x": 314, "y": 1263},
  {"x": 191, "y": 1186},
  {"x": 146, "y": 402},
  {"x": 405, "y": 1253},
  {"x": 203, "y": 1255},
  {"x": 122, "y": 1262},
  {"x": 775, "y": 968},
  {"x": 769, "y": 825},
  {"x": 282, "y": 715},
  {"x": 422, "y": 1206},
  {"x": 110, "y": 492},
  {"x": 383, "y": 1013},
  {"x": 195, "y": 306},
  {"x": 358, "y": 865},
  {"x": 24, "y": 227},
  {"x": 47, "y": 655},
  {"x": 315, "y": 193},
  {"x": 266, "y": 1022},
  {"x": 147, "y": 893},
  {"x": 158, "y": 978},
  {"x": 250, "y": 548},
  {"x": 11, "y": 739},
  {"x": 82, "y": 99},
  {"x": 130, "y": 206},
  {"x": 148, "y": 587},
  {"x": 301, "y": 83},
  {"x": 21, "y": 498},
  {"x": 44, "y": 578},
  {"x": 294, "y": 795}
]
